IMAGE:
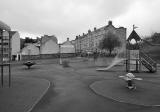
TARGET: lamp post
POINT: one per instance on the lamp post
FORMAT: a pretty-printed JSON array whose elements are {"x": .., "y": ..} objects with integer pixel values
[
  {"x": 29, "y": 54},
  {"x": 1, "y": 36},
  {"x": 60, "y": 60}
]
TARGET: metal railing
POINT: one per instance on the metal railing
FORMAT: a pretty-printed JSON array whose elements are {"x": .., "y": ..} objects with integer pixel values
[{"x": 148, "y": 61}]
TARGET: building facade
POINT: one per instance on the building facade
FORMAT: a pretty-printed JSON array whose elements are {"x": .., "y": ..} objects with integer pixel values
[
  {"x": 89, "y": 42},
  {"x": 49, "y": 45},
  {"x": 15, "y": 43},
  {"x": 67, "y": 47},
  {"x": 30, "y": 49}
]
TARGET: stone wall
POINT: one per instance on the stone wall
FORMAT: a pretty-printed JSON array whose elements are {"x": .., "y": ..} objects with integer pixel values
[{"x": 47, "y": 56}]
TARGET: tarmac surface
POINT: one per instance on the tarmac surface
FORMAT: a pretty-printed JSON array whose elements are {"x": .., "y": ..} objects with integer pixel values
[
  {"x": 23, "y": 94},
  {"x": 70, "y": 88},
  {"x": 145, "y": 93}
]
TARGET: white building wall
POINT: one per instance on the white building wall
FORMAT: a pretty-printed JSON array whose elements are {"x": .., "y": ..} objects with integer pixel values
[
  {"x": 30, "y": 50},
  {"x": 15, "y": 44},
  {"x": 49, "y": 47},
  {"x": 67, "y": 49}
]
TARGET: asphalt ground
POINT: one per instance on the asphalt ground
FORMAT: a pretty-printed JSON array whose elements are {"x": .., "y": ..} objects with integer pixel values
[{"x": 70, "y": 88}]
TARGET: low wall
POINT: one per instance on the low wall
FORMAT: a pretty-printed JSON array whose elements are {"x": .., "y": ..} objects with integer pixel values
[
  {"x": 47, "y": 56},
  {"x": 31, "y": 57},
  {"x": 67, "y": 55}
]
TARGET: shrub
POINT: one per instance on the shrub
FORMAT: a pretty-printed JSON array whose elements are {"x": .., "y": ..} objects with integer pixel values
[{"x": 65, "y": 63}]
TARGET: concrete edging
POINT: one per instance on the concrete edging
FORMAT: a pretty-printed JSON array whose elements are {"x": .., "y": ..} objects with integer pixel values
[
  {"x": 34, "y": 104},
  {"x": 90, "y": 86}
]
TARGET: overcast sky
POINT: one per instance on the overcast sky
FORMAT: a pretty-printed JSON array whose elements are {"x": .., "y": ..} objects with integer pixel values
[{"x": 68, "y": 18}]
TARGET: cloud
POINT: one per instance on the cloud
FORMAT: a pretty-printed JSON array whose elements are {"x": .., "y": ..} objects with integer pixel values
[
  {"x": 68, "y": 18},
  {"x": 143, "y": 14}
]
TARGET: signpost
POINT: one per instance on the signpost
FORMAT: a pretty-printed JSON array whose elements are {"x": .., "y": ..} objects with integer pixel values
[{"x": 60, "y": 60}]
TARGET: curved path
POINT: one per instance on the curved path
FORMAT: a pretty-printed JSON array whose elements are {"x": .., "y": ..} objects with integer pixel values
[
  {"x": 70, "y": 92},
  {"x": 145, "y": 94}
]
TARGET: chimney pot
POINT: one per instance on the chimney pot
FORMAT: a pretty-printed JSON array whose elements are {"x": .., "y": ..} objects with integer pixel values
[{"x": 109, "y": 22}]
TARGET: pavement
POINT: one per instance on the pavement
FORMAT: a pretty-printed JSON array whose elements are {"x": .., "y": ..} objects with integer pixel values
[
  {"x": 23, "y": 94},
  {"x": 70, "y": 87},
  {"x": 145, "y": 94}
]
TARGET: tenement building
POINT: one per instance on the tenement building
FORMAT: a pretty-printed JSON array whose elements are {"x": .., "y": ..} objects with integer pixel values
[{"x": 89, "y": 42}]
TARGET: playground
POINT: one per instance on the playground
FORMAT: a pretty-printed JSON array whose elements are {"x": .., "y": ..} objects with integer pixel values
[
  {"x": 80, "y": 87},
  {"x": 85, "y": 85}
]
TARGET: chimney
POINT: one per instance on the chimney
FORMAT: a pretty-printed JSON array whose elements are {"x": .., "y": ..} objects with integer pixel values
[
  {"x": 109, "y": 22},
  {"x": 67, "y": 39},
  {"x": 89, "y": 31}
]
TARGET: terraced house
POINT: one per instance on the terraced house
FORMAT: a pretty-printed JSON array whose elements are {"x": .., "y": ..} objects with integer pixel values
[{"x": 89, "y": 42}]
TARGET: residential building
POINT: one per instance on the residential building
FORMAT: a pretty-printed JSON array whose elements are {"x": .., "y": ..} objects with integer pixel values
[
  {"x": 15, "y": 43},
  {"x": 67, "y": 47},
  {"x": 89, "y": 42},
  {"x": 49, "y": 45},
  {"x": 30, "y": 49}
]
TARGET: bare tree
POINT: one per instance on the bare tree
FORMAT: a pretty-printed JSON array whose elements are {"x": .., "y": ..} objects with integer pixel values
[{"x": 110, "y": 42}]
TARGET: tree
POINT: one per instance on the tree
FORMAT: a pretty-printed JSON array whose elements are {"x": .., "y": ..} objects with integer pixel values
[
  {"x": 109, "y": 42},
  {"x": 29, "y": 40},
  {"x": 156, "y": 38}
]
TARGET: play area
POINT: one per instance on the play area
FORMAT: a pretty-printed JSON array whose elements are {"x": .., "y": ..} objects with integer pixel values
[
  {"x": 135, "y": 59},
  {"x": 145, "y": 93},
  {"x": 132, "y": 86},
  {"x": 128, "y": 82}
]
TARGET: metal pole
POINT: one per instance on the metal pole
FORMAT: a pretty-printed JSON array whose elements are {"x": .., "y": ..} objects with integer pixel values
[
  {"x": 1, "y": 35},
  {"x": 9, "y": 59},
  {"x": 60, "y": 61}
]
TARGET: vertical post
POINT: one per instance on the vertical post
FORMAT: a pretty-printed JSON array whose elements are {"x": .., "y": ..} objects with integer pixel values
[
  {"x": 129, "y": 60},
  {"x": 1, "y": 35},
  {"x": 29, "y": 54},
  {"x": 137, "y": 65},
  {"x": 10, "y": 59},
  {"x": 60, "y": 61},
  {"x": 140, "y": 61},
  {"x": 126, "y": 60}
]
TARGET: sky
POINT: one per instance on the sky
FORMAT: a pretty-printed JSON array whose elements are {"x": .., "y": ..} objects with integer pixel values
[{"x": 69, "y": 18}]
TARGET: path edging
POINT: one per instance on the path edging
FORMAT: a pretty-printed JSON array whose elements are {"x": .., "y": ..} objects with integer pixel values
[
  {"x": 90, "y": 86},
  {"x": 41, "y": 96}
]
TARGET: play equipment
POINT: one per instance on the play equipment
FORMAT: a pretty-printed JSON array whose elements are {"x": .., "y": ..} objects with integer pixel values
[
  {"x": 135, "y": 57},
  {"x": 5, "y": 50},
  {"x": 29, "y": 64},
  {"x": 129, "y": 78}
]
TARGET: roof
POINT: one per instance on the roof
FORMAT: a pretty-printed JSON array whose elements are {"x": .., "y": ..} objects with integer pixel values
[
  {"x": 31, "y": 44},
  {"x": 45, "y": 38},
  {"x": 12, "y": 33},
  {"x": 4, "y": 26},
  {"x": 134, "y": 35},
  {"x": 67, "y": 43},
  {"x": 99, "y": 29}
]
